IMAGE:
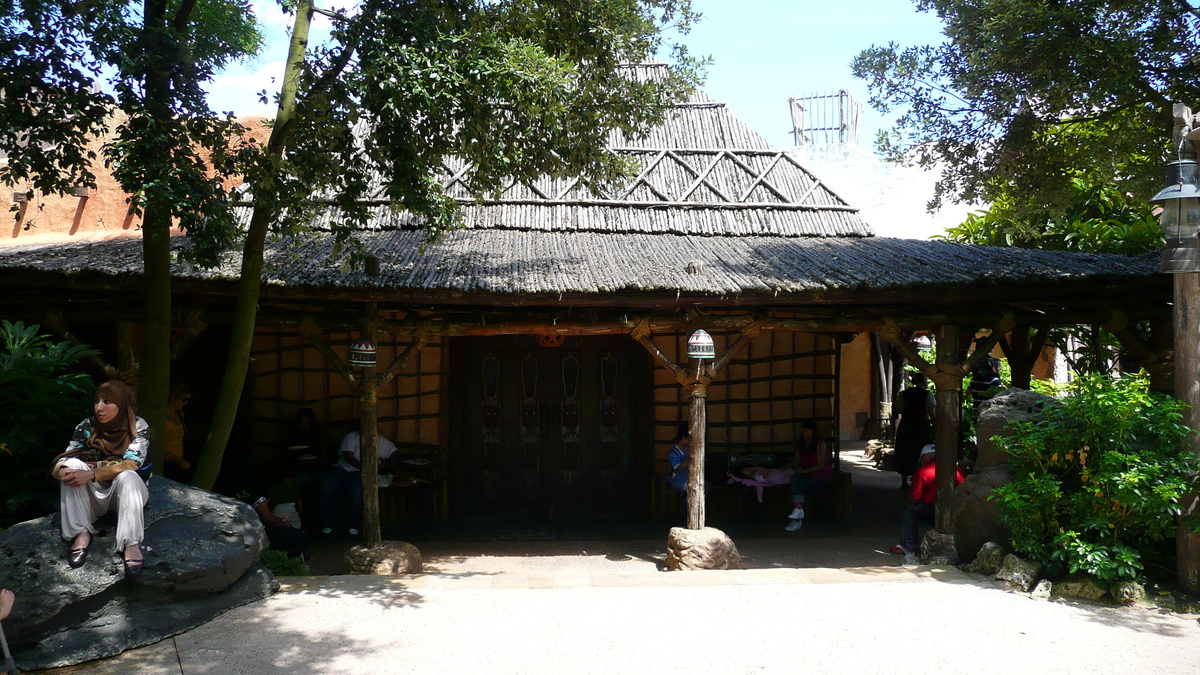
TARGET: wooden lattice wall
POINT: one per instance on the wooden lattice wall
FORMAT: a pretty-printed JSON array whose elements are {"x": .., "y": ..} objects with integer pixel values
[
  {"x": 289, "y": 374},
  {"x": 781, "y": 379}
]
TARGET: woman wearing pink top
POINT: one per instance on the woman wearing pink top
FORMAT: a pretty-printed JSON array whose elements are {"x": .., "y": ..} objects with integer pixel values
[{"x": 811, "y": 470}]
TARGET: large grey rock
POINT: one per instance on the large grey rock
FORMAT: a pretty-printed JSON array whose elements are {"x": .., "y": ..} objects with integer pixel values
[
  {"x": 988, "y": 561},
  {"x": 1080, "y": 585},
  {"x": 1010, "y": 404},
  {"x": 201, "y": 559},
  {"x": 937, "y": 548},
  {"x": 976, "y": 518},
  {"x": 707, "y": 549},
  {"x": 1042, "y": 591},
  {"x": 390, "y": 557},
  {"x": 1021, "y": 573}
]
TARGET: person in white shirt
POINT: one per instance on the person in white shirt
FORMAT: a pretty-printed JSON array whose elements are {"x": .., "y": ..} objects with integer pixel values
[{"x": 344, "y": 479}]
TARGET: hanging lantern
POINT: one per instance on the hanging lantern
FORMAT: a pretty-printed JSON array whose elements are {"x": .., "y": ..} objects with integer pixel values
[
  {"x": 1180, "y": 218},
  {"x": 923, "y": 343},
  {"x": 700, "y": 346},
  {"x": 362, "y": 353}
]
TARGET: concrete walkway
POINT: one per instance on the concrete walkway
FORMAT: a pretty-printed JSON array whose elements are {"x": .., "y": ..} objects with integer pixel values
[{"x": 819, "y": 620}]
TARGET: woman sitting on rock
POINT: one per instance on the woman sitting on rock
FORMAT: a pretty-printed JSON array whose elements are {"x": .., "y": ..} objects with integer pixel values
[{"x": 99, "y": 473}]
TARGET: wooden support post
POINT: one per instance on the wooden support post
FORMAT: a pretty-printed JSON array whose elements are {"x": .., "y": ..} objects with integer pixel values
[
  {"x": 1187, "y": 390},
  {"x": 697, "y": 420},
  {"x": 368, "y": 438},
  {"x": 948, "y": 381}
]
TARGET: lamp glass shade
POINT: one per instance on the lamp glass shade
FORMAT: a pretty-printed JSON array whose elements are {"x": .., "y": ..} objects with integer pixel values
[
  {"x": 700, "y": 346},
  {"x": 1180, "y": 222},
  {"x": 362, "y": 353},
  {"x": 923, "y": 343}
]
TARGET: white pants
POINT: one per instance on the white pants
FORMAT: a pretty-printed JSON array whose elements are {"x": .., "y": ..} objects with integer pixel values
[{"x": 81, "y": 506}]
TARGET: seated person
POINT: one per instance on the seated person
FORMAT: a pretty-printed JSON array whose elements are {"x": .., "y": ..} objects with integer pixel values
[
  {"x": 677, "y": 459},
  {"x": 811, "y": 471},
  {"x": 99, "y": 472},
  {"x": 922, "y": 499},
  {"x": 345, "y": 479}
]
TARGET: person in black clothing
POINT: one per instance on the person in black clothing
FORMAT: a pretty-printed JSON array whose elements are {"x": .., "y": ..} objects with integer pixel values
[{"x": 915, "y": 408}]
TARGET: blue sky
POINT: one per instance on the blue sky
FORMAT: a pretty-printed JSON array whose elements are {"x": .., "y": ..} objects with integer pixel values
[{"x": 763, "y": 52}]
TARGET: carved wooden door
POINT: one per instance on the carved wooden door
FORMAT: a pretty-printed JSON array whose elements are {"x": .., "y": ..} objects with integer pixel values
[{"x": 545, "y": 428}]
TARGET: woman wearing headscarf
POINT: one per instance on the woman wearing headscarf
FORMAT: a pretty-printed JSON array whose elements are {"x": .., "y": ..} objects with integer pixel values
[{"x": 98, "y": 473}]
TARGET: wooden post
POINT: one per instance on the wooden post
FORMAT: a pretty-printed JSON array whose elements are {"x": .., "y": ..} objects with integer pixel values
[
  {"x": 1187, "y": 390},
  {"x": 948, "y": 381},
  {"x": 697, "y": 422},
  {"x": 368, "y": 438}
]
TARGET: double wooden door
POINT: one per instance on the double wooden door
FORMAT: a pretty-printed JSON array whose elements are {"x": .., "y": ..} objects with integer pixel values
[{"x": 545, "y": 430}]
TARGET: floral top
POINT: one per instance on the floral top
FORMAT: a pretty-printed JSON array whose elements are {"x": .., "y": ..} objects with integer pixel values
[{"x": 136, "y": 451}]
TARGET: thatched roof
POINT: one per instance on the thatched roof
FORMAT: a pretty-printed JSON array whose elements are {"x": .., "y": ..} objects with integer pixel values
[{"x": 714, "y": 212}]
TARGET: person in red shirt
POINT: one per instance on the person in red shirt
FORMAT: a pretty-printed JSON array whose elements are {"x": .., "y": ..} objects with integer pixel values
[{"x": 921, "y": 499}]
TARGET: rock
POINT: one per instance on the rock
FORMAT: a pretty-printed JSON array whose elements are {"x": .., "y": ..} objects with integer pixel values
[
  {"x": 988, "y": 561},
  {"x": 1042, "y": 590},
  {"x": 1020, "y": 573},
  {"x": 707, "y": 549},
  {"x": 201, "y": 559},
  {"x": 1079, "y": 585},
  {"x": 1165, "y": 601},
  {"x": 937, "y": 548},
  {"x": 390, "y": 557},
  {"x": 1010, "y": 404},
  {"x": 976, "y": 520},
  {"x": 1128, "y": 592}
]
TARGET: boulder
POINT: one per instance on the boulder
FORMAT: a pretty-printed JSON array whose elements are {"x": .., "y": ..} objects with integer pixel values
[
  {"x": 390, "y": 557},
  {"x": 1020, "y": 573},
  {"x": 1010, "y": 404},
  {"x": 1080, "y": 585},
  {"x": 988, "y": 561},
  {"x": 1042, "y": 591},
  {"x": 937, "y": 548},
  {"x": 706, "y": 549},
  {"x": 975, "y": 518},
  {"x": 1128, "y": 592},
  {"x": 201, "y": 559}
]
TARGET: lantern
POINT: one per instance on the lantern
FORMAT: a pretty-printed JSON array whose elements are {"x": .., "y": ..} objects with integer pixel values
[
  {"x": 700, "y": 346},
  {"x": 923, "y": 343},
  {"x": 1180, "y": 218},
  {"x": 362, "y": 353}
]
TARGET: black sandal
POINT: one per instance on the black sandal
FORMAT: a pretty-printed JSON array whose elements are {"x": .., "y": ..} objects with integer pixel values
[
  {"x": 76, "y": 557},
  {"x": 135, "y": 567}
]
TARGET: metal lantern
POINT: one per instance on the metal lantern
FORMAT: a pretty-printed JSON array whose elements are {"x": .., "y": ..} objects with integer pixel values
[
  {"x": 362, "y": 353},
  {"x": 1180, "y": 218},
  {"x": 700, "y": 346},
  {"x": 923, "y": 343}
]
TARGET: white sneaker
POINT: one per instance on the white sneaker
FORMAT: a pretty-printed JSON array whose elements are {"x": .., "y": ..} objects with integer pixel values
[
  {"x": 797, "y": 513},
  {"x": 326, "y": 530},
  {"x": 353, "y": 532},
  {"x": 794, "y": 525}
]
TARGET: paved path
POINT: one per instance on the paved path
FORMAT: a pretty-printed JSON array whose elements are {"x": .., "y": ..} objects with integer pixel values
[{"x": 854, "y": 620}]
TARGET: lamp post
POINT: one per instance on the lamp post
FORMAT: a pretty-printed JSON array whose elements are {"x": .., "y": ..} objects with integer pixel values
[
  {"x": 362, "y": 355},
  {"x": 1180, "y": 221},
  {"x": 700, "y": 350}
]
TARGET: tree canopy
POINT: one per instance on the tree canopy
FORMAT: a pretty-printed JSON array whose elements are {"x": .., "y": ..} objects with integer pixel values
[{"x": 1026, "y": 96}]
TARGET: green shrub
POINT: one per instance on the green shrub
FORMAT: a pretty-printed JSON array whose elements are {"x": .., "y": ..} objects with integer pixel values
[
  {"x": 1098, "y": 479},
  {"x": 282, "y": 564},
  {"x": 42, "y": 398}
]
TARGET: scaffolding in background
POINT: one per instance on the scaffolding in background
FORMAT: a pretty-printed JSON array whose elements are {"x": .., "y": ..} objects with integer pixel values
[{"x": 819, "y": 119}]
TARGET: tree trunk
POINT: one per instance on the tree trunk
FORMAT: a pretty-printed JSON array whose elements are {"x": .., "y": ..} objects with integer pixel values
[
  {"x": 368, "y": 436},
  {"x": 949, "y": 407},
  {"x": 250, "y": 281},
  {"x": 155, "y": 374},
  {"x": 1187, "y": 390}
]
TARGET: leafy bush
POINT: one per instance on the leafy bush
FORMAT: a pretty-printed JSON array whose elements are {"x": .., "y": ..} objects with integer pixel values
[
  {"x": 42, "y": 398},
  {"x": 1098, "y": 479},
  {"x": 282, "y": 564}
]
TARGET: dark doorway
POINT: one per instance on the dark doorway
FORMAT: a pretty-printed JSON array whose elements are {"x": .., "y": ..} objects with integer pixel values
[{"x": 549, "y": 428}]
